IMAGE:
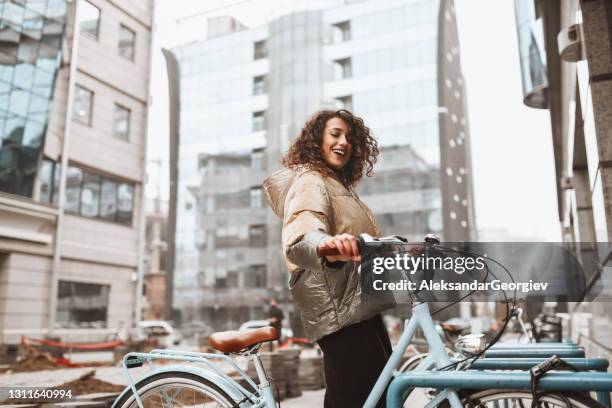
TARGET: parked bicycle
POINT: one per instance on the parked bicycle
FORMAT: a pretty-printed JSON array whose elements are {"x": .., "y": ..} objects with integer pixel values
[{"x": 457, "y": 382}]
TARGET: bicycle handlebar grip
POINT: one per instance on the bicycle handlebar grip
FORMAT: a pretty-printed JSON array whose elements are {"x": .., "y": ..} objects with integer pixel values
[
  {"x": 334, "y": 251},
  {"x": 327, "y": 252}
]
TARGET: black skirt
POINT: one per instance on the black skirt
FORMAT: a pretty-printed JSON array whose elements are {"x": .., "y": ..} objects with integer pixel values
[{"x": 353, "y": 358}]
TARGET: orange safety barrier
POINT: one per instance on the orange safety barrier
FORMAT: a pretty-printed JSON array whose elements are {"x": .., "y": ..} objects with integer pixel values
[
  {"x": 289, "y": 341},
  {"x": 26, "y": 341}
]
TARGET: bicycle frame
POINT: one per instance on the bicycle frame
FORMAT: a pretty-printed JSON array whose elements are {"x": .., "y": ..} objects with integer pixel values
[{"x": 438, "y": 356}]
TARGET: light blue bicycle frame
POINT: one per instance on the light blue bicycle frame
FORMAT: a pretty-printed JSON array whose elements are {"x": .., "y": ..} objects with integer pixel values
[{"x": 438, "y": 357}]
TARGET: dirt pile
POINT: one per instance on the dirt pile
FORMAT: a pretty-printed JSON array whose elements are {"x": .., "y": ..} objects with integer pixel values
[
  {"x": 33, "y": 362},
  {"x": 87, "y": 384}
]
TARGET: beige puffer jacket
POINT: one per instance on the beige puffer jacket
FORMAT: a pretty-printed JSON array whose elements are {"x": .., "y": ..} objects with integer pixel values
[{"x": 314, "y": 207}]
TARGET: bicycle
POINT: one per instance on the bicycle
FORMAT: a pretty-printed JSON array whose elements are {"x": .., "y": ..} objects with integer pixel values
[{"x": 186, "y": 385}]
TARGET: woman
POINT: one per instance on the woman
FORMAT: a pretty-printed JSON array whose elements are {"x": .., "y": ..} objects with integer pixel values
[{"x": 315, "y": 198}]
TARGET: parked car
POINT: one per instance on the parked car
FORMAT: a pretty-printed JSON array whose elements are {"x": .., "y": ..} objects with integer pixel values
[{"x": 162, "y": 331}]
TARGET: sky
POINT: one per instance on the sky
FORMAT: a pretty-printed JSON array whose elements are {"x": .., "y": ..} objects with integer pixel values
[{"x": 512, "y": 157}]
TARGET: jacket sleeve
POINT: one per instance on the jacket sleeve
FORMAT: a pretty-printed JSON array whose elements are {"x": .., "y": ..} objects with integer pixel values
[{"x": 306, "y": 222}]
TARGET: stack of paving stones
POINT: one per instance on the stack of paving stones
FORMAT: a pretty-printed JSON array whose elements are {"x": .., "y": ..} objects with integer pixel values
[
  {"x": 274, "y": 366},
  {"x": 311, "y": 375},
  {"x": 291, "y": 357}
]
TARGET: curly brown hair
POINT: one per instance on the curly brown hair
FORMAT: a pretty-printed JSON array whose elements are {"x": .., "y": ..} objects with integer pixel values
[{"x": 305, "y": 150}]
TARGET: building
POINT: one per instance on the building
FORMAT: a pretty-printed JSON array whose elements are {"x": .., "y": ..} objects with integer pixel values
[
  {"x": 70, "y": 240},
  {"x": 155, "y": 260},
  {"x": 240, "y": 96},
  {"x": 566, "y": 57}
]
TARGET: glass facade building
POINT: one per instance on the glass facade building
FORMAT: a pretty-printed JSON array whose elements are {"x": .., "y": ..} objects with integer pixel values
[
  {"x": 578, "y": 74},
  {"x": 31, "y": 34},
  {"x": 69, "y": 267},
  {"x": 532, "y": 54},
  {"x": 245, "y": 94}
]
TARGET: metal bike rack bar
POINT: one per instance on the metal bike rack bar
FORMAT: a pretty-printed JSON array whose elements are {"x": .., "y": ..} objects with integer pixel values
[
  {"x": 593, "y": 364},
  {"x": 535, "y": 346},
  {"x": 481, "y": 380},
  {"x": 534, "y": 353}
]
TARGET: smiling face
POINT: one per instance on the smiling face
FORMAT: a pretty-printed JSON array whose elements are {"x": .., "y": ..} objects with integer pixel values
[{"x": 335, "y": 145}]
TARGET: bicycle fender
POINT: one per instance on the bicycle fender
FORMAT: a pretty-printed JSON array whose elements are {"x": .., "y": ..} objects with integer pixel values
[{"x": 227, "y": 386}]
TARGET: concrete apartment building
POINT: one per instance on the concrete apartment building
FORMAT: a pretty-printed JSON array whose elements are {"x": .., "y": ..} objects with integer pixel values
[
  {"x": 243, "y": 94},
  {"x": 82, "y": 284},
  {"x": 566, "y": 58}
]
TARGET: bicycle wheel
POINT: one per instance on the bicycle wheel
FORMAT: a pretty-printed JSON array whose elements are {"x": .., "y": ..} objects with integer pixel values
[
  {"x": 177, "y": 389},
  {"x": 523, "y": 399},
  {"x": 412, "y": 362}
]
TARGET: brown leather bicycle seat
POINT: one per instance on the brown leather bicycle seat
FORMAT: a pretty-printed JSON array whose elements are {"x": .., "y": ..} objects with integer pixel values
[{"x": 235, "y": 340}]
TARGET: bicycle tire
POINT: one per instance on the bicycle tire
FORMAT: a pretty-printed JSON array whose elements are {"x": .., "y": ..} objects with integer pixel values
[
  {"x": 413, "y": 362},
  {"x": 153, "y": 385},
  {"x": 522, "y": 398}
]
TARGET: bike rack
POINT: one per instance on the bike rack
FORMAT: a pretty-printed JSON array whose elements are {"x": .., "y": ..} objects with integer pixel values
[{"x": 481, "y": 380}]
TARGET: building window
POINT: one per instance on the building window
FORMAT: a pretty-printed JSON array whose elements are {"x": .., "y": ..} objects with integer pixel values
[
  {"x": 343, "y": 68},
  {"x": 220, "y": 282},
  {"x": 344, "y": 102},
  {"x": 232, "y": 279},
  {"x": 260, "y": 50},
  {"x": 259, "y": 85},
  {"x": 259, "y": 121},
  {"x": 56, "y": 183},
  {"x": 88, "y": 194},
  {"x": 256, "y": 195},
  {"x": 127, "y": 42},
  {"x": 46, "y": 181},
  {"x": 121, "y": 122},
  {"x": 74, "y": 180},
  {"x": 83, "y": 103},
  {"x": 257, "y": 159},
  {"x": 255, "y": 276},
  {"x": 89, "y": 19},
  {"x": 257, "y": 236},
  {"x": 125, "y": 203},
  {"x": 108, "y": 200},
  {"x": 82, "y": 305},
  {"x": 31, "y": 34},
  {"x": 342, "y": 31}
]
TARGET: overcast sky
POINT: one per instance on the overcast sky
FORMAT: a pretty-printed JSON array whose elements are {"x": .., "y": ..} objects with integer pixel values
[{"x": 512, "y": 159}]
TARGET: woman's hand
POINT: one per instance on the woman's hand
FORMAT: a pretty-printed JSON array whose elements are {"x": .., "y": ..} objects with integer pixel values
[{"x": 346, "y": 245}]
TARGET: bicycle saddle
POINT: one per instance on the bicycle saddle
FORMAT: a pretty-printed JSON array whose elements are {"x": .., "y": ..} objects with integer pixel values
[{"x": 232, "y": 341}]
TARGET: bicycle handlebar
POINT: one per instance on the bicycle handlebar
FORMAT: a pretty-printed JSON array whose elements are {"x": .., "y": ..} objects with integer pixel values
[
  {"x": 364, "y": 240},
  {"x": 328, "y": 252}
]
